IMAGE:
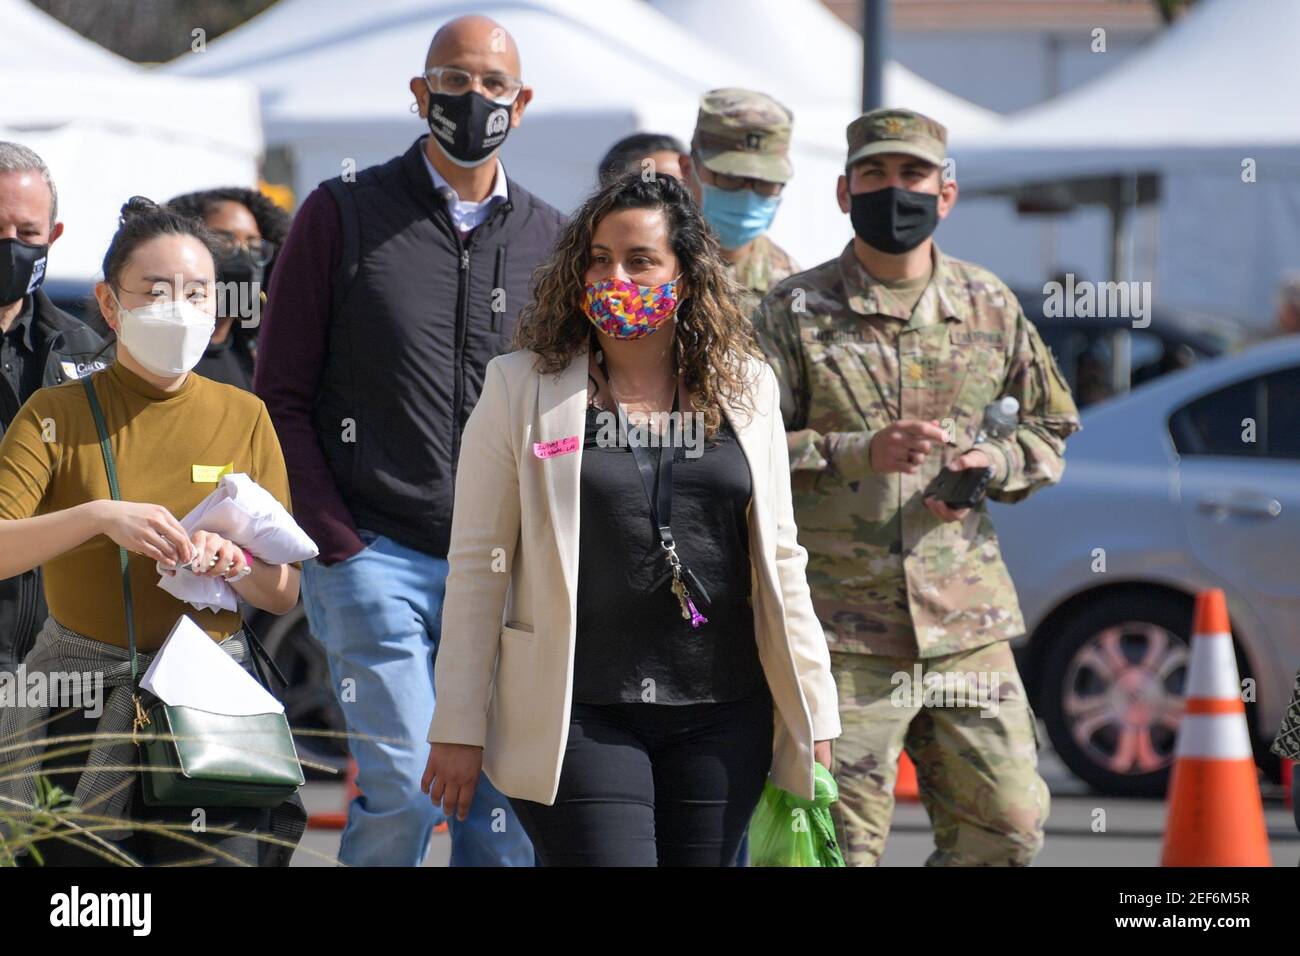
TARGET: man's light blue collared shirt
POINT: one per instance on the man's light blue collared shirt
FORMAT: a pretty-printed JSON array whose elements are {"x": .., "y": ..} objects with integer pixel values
[{"x": 466, "y": 215}]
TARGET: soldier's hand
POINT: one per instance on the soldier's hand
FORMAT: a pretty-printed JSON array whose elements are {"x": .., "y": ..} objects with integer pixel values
[
  {"x": 903, "y": 445},
  {"x": 972, "y": 459}
]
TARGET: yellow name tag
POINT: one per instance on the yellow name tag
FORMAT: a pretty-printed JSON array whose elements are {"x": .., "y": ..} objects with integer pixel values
[{"x": 211, "y": 473}]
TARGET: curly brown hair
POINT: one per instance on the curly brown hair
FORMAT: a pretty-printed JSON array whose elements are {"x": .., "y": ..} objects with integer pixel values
[{"x": 713, "y": 336}]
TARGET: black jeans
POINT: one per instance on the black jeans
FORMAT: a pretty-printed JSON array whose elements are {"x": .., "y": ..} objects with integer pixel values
[
  {"x": 149, "y": 847},
  {"x": 655, "y": 784}
]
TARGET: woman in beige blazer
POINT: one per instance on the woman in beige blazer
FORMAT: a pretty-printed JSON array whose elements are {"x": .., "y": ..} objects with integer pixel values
[{"x": 628, "y": 644}]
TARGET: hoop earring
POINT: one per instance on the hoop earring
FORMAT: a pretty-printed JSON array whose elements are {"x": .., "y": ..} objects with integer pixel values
[{"x": 415, "y": 107}]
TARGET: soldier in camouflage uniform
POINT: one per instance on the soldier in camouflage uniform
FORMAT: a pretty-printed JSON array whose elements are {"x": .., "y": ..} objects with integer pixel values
[
  {"x": 887, "y": 356},
  {"x": 737, "y": 167}
]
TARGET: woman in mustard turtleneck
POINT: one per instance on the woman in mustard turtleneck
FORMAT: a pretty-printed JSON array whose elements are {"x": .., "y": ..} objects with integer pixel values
[{"x": 173, "y": 434}]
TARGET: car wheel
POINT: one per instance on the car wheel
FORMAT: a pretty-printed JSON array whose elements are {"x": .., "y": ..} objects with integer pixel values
[
  {"x": 1112, "y": 694},
  {"x": 309, "y": 701}
]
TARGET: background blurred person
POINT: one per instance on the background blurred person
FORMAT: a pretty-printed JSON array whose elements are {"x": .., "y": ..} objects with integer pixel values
[
  {"x": 56, "y": 511},
  {"x": 40, "y": 345},
  {"x": 660, "y": 654},
  {"x": 1288, "y": 304},
  {"x": 630, "y": 153},
  {"x": 738, "y": 166},
  {"x": 392, "y": 293},
  {"x": 247, "y": 228}
]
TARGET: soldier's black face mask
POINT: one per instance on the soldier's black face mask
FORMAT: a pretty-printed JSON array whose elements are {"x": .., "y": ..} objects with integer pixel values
[
  {"x": 468, "y": 127},
  {"x": 894, "y": 220},
  {"x": 22, "y": 269}
]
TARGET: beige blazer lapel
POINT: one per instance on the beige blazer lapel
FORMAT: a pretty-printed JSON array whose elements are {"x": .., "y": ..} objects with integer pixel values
[{"x": 562, "y": 413}]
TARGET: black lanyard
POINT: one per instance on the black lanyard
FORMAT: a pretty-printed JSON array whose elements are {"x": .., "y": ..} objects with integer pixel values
[
  {"x": 686, "y": 586},
  {"x": 658, "y": 491}
]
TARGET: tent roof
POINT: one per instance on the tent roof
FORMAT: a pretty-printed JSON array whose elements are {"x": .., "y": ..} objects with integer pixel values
[
  {"x": 306, "y": 61},
  {"x": 109, "y": 129},
  {"x": 35, "y": 40},
  {"x": 1221, "y": 80},
  {"x": 328, "y": 60},
  {"x": 804, "y": 47}
]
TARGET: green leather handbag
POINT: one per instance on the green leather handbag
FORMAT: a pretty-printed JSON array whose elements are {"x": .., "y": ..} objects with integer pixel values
[{"x": 193, "y": 757}]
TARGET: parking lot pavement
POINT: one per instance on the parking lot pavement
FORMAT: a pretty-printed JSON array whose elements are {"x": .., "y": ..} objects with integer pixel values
[{"x": 1132, "y": 835}]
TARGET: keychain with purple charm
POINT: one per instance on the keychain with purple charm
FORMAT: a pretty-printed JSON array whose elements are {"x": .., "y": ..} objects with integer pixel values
[{"x": 686, "y": 587}]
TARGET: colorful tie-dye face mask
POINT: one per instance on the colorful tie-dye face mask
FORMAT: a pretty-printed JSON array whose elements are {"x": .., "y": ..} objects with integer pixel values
[{"x": 626, "y": 310}]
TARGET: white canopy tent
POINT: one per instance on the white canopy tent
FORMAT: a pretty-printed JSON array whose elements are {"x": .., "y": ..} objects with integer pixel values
[
  {"x": 333, "y": 78},
  {"x": 1184, "y": 121},
  {"x": 109, "y": 129},
  {"x": 808, "y": 53}
]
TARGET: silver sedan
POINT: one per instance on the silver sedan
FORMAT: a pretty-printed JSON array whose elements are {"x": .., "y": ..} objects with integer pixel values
[{"x": 1189, "y": 482}]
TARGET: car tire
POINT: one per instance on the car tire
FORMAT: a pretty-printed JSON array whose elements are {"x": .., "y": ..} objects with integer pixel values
[{"x": 1113, "y": 679}]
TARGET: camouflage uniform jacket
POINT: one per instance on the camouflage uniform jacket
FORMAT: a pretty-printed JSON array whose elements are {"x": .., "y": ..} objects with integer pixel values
[
  {"x": 762, "y": 266},
  {"x": 887, "y": 576}
]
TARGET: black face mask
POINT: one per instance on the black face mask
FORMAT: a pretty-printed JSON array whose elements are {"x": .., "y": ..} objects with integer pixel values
[
  {"x": 22, "y": 269},
  {"x": 242, "y": 268},
  {"x": 894, "y": 220},
  {"x": 468, "y": 126}
]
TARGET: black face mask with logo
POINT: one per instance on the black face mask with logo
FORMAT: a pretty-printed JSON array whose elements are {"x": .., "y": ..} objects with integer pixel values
[
  {"x": 468, "y": 126},
  {"x": 22, "y": 269},
  {"x": 894, "y": 220}
]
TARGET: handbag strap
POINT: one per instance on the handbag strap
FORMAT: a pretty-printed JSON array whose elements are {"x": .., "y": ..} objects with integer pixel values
[{"x": 102, "y": 428}]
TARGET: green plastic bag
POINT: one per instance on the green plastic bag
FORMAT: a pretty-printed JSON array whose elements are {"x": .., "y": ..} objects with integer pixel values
[{"x": 790, "y": 831}]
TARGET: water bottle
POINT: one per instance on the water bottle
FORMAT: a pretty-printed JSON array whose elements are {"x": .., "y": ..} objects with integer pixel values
[{"x": 1000, "y": 419}]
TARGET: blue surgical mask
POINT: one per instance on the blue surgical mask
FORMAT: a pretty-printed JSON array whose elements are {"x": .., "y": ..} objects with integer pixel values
[{"x": 737, "y": 216}]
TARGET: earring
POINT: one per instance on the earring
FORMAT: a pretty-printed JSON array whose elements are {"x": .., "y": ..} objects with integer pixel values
[{"x": 415, "y": 107}]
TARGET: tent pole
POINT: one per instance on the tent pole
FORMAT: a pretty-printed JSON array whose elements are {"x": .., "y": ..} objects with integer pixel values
[
  {"x": 1119, "y": 213},
  {"x": 875, "y": 28}
]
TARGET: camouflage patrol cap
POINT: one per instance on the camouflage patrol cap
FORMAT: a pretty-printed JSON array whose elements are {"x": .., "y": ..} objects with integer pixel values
[
  {"x": 896, "y": 131},
  {"x": 744, "y": 133}
]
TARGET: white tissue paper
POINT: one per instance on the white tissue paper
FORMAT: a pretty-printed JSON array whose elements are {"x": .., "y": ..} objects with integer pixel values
[
  {"x": 190, "y": 670},
  {"x": 242, "y": 511}
]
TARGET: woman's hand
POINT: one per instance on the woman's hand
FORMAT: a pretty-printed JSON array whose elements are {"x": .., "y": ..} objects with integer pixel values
[
  {"x": 214, "y": 556},
  {"x": 451, "y": 776},
  {"x": 145, "y": 529},
  {"x": 822, "y": 752}
]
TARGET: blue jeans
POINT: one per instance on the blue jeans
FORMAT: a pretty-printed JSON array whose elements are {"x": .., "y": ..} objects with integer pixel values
[{"x": 378, "y": 616}]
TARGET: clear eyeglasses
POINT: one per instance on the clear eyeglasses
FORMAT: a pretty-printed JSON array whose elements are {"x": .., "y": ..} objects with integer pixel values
[{"x": 500, "y": 88}]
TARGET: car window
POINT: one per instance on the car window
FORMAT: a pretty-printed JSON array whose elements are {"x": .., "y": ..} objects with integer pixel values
[
  {"x": 1284, "y": 414},
  {"x": 1255, "y": 418}
]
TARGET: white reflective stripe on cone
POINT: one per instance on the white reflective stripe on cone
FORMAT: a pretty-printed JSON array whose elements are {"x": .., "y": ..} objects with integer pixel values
[
  {"x": 1218, "y": 736},
  {"x": 1212, "y": 670}
]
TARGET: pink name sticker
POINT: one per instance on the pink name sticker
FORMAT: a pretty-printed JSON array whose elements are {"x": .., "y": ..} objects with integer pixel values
[{"x": 561, "y": 446}]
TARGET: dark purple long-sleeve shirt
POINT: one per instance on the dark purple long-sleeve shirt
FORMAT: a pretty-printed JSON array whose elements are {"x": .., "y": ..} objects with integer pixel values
[{"x": 291, "y": 355}]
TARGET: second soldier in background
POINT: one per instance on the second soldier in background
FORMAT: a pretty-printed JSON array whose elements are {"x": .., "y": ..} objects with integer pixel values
[
  {"x": 887, "y": 356},
  {"x": 737, "y": 169}
]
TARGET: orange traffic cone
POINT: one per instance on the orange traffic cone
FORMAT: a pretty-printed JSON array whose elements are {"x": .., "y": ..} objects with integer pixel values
[
  {"x": 905, "y": 786},
  {"x": 338, "y": 819},
  {"x": 1216, "y": 815}
]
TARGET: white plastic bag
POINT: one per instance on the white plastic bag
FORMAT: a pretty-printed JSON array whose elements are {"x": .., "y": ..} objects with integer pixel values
[{"x": 242, "y": 511}]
